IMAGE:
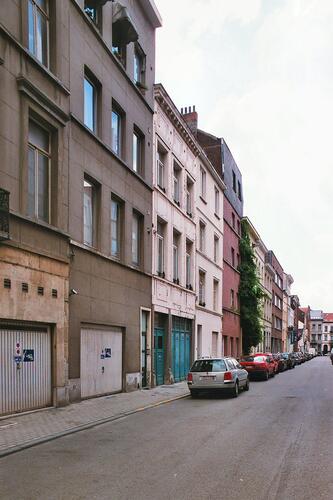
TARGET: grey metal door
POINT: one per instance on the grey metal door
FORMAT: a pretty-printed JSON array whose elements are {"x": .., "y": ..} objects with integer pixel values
[{"x": 25, "y": 368}]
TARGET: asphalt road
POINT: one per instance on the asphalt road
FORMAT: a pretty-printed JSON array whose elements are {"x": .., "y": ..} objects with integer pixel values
[{"x": 273, "y": 442}]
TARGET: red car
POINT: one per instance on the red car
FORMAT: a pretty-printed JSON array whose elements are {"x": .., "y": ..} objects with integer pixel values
[
  {"x": 259, "y": 364},
  {"x": 275, "y": 358}
]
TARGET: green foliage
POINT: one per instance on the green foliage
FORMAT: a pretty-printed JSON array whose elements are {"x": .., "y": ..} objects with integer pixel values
[{"x": 250, "y": 293}]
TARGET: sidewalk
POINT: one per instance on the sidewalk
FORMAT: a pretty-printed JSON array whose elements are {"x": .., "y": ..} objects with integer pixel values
[{"x": 22, "y": 431}]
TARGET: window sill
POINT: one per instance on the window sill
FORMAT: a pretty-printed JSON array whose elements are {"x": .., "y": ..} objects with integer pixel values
[
  {"x": 203, "y": 200},
  {"x": 217, "y": 216},
  {"x": 40, "y": 223}
]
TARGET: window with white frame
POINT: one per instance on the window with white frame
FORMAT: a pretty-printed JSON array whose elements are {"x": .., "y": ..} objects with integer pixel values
[
  {"x": 176, "y": 183},
  {"x": 116, "y": 130},
  {"x": 202, "y": 236},
  {"x": 139, "y": 66},
  {"x": 136, "y": 237},
  {"x": 216, "y": 248},
  {"x": 232, "y": 299},
  {"x": 89, "y": 212},
  {"x": 189, "y": 195},
  {"x": 39, "y": 173},
  {"x": 90, "y": 108},
  {"x": 38, "y": 29},
  {"x": 160, "y": 167},
  {"x": 202, "y": 183},
  {"x": 215, "y": 337},
  {"x": 175, "y": 256},
  {"x": 217, "y": 201},
  {"x": 160, "y": 249},
  {"x": 137, "y": 151},
  {"x": 202, "y": 288},
  {"x": 215, "y": 294},
  {"x": 189, "y": 246},
  {"x": 116, "y": 212}
]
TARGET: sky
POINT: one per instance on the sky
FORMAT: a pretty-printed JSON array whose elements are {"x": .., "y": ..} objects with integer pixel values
[{"x": 260, "y": 73}]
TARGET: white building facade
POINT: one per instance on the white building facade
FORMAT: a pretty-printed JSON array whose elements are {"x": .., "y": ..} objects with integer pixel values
[
  {"x": 209, "y": 259},
  {"x": 174, "y": 242}
]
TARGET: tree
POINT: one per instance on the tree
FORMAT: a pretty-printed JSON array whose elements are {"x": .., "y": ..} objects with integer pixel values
[{"x": 250, "y": 293}]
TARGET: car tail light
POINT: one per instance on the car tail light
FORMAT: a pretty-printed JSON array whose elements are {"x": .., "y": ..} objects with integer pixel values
[
  {"x": 228, "y": 376},
  {"x": 189, "y": 377}
]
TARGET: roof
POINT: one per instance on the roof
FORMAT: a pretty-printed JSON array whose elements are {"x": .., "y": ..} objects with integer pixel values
[
  {"x": 304, "y": 309},
  {"x": 328, "y": 317}
]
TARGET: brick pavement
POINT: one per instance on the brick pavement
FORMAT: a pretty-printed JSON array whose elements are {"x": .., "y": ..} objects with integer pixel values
[{"x": 22, "y": 431}]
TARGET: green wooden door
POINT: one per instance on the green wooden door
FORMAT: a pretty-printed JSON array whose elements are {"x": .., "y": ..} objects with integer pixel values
[{"x": 159, "y": 341}]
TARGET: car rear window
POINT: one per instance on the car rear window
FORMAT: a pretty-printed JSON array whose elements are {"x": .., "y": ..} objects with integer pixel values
[
  {"x": 209, "y": 365},
  {"x": 260, "y": 359},
  {"x": 248, "y": 358}
]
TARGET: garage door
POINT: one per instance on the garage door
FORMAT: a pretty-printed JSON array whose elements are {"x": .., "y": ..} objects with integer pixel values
[
  {"x": 101, "y": 361},
  {"x": 25, "y": 368}
]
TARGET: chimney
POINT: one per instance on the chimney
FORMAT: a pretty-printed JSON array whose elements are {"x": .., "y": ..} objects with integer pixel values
[{"x": 191, "y": 118}]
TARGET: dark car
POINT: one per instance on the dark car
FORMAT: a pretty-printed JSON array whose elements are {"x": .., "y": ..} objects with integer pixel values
[
  {"x": 289, "y": 359},
  {"x": 282, "y": 363}
]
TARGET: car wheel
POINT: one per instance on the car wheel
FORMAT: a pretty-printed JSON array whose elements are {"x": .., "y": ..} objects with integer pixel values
[
  {"x": 266, "y": 376},
  {"x": 273, "y": 374},
  {"x": 247, "y": 385},
  {"x": 235, "y": 390},
  {"x": 194, "y": 393}
]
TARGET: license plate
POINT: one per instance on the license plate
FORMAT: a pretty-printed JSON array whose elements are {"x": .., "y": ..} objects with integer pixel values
[
  {"x": 208, "y": 377},
  {"x": 249, "y": 367}
]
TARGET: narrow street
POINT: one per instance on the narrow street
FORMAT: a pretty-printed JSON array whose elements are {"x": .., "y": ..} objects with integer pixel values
[{"x": 274, "y": 442}]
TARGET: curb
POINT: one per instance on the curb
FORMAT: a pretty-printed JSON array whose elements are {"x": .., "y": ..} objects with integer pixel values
[{"x": 83, "y": 427}]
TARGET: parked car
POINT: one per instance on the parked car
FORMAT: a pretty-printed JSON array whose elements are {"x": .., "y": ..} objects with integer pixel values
[
  {"x": 296, "y": 358},
  {"x": 261, "y": 365},
  {"x": 217, "y": 374},
  {"x": 289, "y": 358},
  {"x": 274, "y": 358},
  {"x": 282, "y": 363}
]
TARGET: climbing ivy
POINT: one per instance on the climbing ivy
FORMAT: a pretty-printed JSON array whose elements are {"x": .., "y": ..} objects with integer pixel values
[{"x": 250, "y": 293}]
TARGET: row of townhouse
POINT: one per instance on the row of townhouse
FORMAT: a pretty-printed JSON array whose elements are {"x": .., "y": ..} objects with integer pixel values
[
  {"x": 120, "y": 220},
  {"x": 319, "y": 328}
]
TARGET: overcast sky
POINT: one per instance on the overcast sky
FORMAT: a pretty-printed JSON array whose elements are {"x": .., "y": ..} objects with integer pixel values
[{"x": 260, "y": 73}]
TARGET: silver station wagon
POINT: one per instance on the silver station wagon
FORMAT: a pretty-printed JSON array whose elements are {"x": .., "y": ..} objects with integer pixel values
[{"x": 217, "y": 374}]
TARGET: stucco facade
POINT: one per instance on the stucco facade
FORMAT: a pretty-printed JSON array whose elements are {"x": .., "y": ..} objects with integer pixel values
[{"x": 97, "y": 288}]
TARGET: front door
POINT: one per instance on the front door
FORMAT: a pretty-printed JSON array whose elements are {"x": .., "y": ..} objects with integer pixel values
[{"x": 159, "y": 355}]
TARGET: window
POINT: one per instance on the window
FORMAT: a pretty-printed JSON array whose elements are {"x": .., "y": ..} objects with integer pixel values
[
  {"x": 160, "y": 249},
  {"x": 238, "y": 227},
  {"x": 239, "y": 191},
  {"x": 233, "y": 257},
  {"x": 116, "y": 131},
  {"x": 38, "y": 27},
  {"x": 89, "y": 212},
  {"x": 92, "y": 11},
  {"x": 188, "y": 265},
  {"x": 325, "y": 336},
  {"x": 202, "y": 291},
  {"x": 202, "y": 230},
  {"x": 136, "y": 233},
  {"x": 216, "y": 248},
  {"x": 175, "y": 257},
  {"x": 325, "y": 327},
  {"x": 39, "y": 173},
  {"x": 234, "y": 181},
  {"x": 215, "y": 294},
  {"x": 238, "y": 261},
  {"x": 232, "y": 299},
  {"x": 215, "y": 337},
  {"x": 160, "y": 167},
  {"x": 202, "y": 183},
  {"x": 189, "y": 189},
  {"x": 137, "y": 151},
  {"x": 217, "y": 201},
  {"x": 176, "y": 183},
  {"x": 233, "y": 220},
  {"x": 139, "y": 67},
  {"x": 90, "y": 96},
  {"x": 116, "y": 212}
]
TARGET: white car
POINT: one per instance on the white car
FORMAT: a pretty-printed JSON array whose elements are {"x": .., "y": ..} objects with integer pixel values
[{"x": 217, "y": 374}]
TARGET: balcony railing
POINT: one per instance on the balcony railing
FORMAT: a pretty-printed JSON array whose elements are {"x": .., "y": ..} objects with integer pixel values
[{"x": 4, "y": 214}]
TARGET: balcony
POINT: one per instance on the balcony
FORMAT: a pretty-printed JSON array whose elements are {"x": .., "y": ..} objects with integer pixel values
[{"x": 4, "y": 214}]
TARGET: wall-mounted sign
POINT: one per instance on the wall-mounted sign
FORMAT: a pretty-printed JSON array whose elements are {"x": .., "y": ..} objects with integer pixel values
[
  {"x": 28, "y": 355},
  {"x": 17, "y": 359},
  {"x": 108, "y": 352}
]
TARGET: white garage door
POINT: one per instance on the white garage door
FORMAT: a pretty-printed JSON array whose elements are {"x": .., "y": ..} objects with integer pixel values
[
  {"x": 25, "y": 369},
  {"x": 101, "y": 361}
]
